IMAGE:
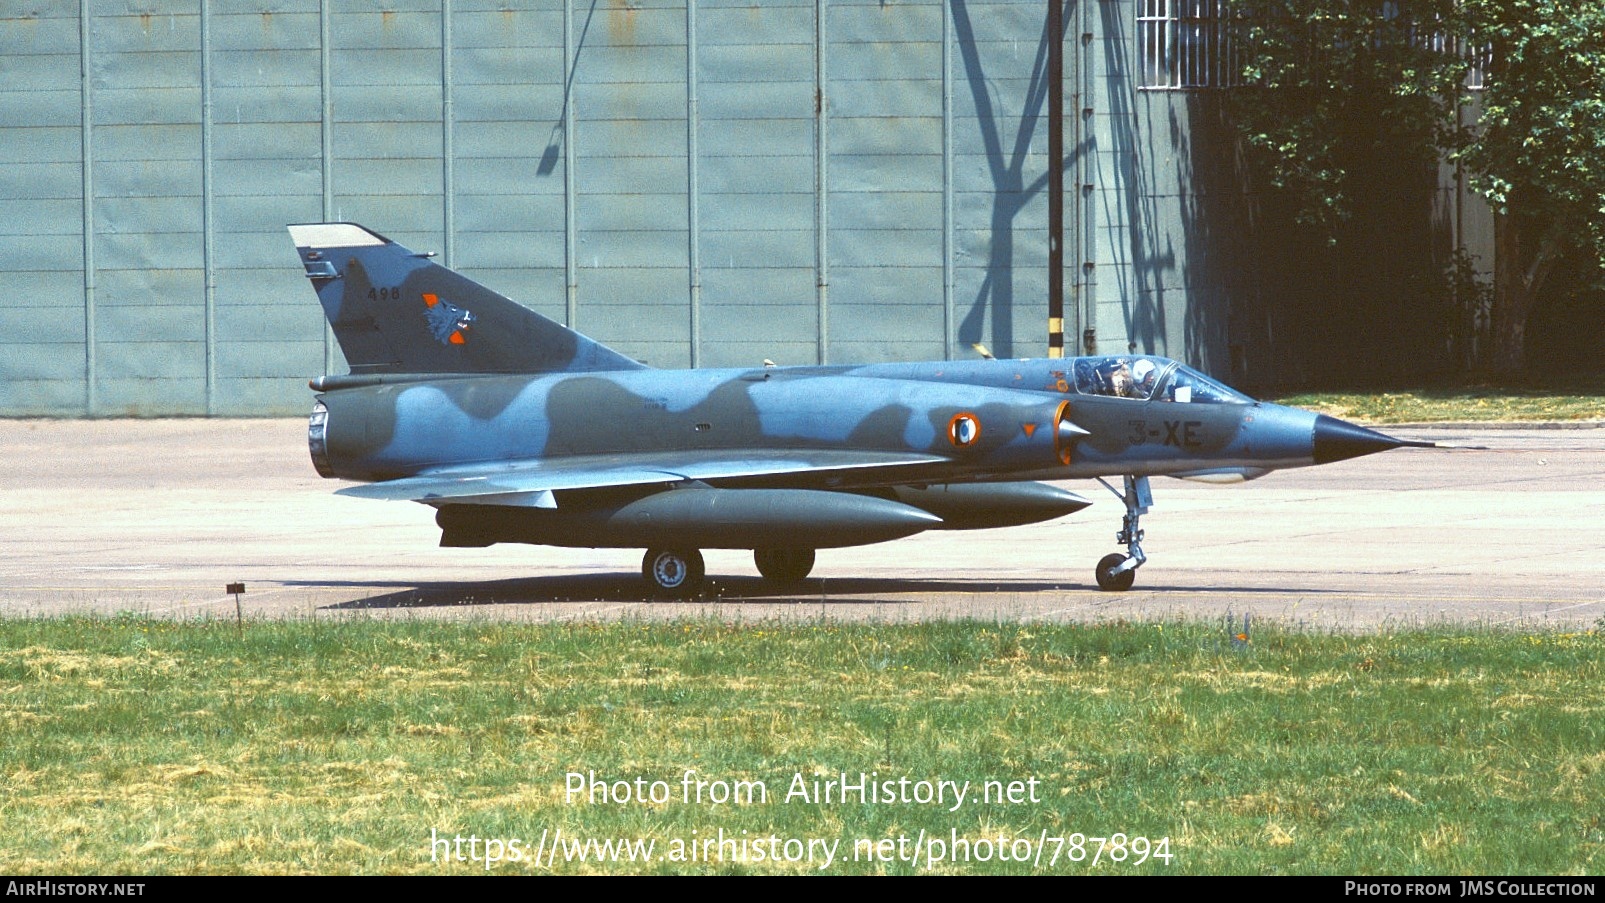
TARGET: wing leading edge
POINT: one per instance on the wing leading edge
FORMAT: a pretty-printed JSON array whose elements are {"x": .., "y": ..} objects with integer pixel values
[{"x": 530, "y": 483}]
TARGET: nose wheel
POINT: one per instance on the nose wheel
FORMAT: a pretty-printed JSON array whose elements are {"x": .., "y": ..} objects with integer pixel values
[
  {"x": 1111, "y": 578},
  {"x": 1116, "y": 572}
]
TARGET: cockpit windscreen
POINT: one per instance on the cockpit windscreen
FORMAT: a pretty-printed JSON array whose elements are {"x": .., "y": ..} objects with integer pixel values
[{"x": 1145, "y": 378}]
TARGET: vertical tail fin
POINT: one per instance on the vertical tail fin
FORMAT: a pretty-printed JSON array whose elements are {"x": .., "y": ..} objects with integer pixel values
[{"x": 394, "y": 311}]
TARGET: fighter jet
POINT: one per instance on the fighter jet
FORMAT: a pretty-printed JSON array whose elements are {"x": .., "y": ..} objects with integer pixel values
[{"x": 517, "y": 429}]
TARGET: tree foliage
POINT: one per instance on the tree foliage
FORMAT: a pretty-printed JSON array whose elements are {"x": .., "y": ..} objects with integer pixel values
[
  {"x": 1331, "y": 84},
  {"x": 1536, "y": 151},
  {"x": 1539, "y": 149}
]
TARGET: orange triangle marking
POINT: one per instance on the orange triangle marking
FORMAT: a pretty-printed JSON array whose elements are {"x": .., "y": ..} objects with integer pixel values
[
  {"x": 1030, "y": 429},
  {"x": 431, "y": 300},
  {"x": 457, "y": 339}
]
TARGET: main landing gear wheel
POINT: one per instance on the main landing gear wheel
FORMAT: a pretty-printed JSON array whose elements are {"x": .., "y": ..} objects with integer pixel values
[
  {"x": 784, "y": 567},
  {"x": 678, "y": 572},
  {"x": 1116, "y": 572},
  {"x": 1110, "y": 580}
]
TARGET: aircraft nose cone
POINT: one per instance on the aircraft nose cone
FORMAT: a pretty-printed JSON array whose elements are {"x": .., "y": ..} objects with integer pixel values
[
  {"x": 1338, "y": 440},
  {"x": 1068, "y": 432}
]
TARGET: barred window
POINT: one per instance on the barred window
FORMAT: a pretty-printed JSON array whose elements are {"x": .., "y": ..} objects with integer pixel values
[
  {"x": 1185, "y": 44},
  {"x": 1482, "y": 59},
  {"x": 1479, "y": 55}
]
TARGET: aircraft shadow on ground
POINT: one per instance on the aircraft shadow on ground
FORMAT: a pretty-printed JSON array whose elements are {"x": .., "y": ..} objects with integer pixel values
[{"x": 628, "y": 588}]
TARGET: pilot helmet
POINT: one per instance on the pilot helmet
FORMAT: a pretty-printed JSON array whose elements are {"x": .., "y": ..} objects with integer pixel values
[{"x": 1143, "y": 371}]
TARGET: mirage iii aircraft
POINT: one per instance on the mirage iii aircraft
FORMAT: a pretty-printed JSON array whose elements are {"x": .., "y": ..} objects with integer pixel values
[{"x": 517, "y": 429}]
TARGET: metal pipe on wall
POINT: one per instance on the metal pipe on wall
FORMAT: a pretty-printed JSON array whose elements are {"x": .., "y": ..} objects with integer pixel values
[
  {"x": 86, "y": 95},
  {"x": 571, "y": 283},
  {"x": 948, "y": 324},
  {"x": 693, "y": 203},
  {"x": 1084, "y": 276},
  {"x": 821, "y": 184},
  {"x": 208, "y": 256},
  {"x": 326, "y": 151},
  {"x": 1055, "y": 178},
  {"x": 447, "y": 152}
]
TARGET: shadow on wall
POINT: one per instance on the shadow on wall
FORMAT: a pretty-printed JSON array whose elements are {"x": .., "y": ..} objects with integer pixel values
[
  {"x": 1143, "y": 254},
  {"x": 1176, "y": 178},
  {"x": 1010, "y": 192},
  {"x": 1227, "y": 246},
  {"x": 1190, "y": 264},
  {"x": 1188, "y": 272},
  {"x": 554, "y": 141},
  {"x": 1262, "y": 302},
  {"x": 1210, "y": 265}
]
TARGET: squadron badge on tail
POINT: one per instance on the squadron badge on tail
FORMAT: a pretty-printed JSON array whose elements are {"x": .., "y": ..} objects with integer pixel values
[{"x": 448, "y": 322}]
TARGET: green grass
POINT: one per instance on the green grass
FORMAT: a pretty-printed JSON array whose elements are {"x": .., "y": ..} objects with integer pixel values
[
  {"x": 1582, "y": 399},
  {"x": 143, "y": 746}
]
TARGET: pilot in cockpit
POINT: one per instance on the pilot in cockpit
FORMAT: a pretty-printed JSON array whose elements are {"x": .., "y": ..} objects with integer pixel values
[
  {"x": 1119, "y": 379},
  {"x": 1143, "y": 376}
]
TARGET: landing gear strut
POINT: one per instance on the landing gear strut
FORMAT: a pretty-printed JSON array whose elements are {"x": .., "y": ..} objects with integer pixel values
[{"x": 1116, "y": 572}]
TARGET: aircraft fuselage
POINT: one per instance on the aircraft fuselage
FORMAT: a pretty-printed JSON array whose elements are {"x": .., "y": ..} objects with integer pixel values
[{"x": 399, "y": 426}]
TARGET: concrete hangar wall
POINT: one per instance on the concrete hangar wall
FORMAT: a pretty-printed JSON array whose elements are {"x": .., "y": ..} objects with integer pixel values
[{"x": 734, "y": 180}]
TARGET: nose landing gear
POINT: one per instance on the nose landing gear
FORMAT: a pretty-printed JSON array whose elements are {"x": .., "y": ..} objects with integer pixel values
[{"x": 1116, "y": 572}]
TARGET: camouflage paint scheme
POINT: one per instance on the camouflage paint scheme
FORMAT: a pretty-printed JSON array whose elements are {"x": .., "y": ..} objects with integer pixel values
[{"x": 518, "y": 429}]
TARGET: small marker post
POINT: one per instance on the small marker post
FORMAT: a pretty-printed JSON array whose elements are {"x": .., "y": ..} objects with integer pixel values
[{"x": 237, "y": 590}]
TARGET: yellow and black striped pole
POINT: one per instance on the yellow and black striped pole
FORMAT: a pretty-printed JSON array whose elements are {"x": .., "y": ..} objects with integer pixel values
[{"x": 1055, "y": 178}]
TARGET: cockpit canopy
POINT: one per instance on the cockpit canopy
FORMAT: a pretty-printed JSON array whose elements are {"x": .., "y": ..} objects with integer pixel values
[{"x": 1147, "y": 378}]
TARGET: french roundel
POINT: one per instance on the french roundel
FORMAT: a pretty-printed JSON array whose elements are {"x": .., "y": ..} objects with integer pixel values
[{"x": 963, "y": 430}]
